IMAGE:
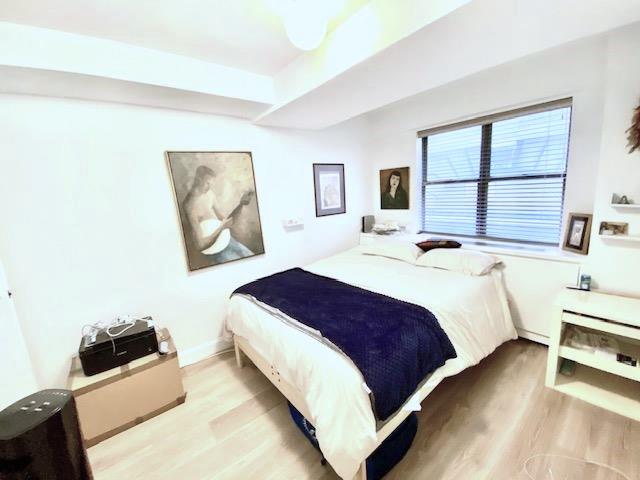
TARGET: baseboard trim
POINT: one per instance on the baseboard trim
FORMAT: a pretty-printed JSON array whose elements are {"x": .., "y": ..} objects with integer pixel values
[
  {"x": 536, "y": 337},
  {"x": 203, "y": 351}
]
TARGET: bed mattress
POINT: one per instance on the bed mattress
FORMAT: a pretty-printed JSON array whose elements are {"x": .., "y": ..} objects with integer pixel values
[{"x": 472, "y": 310}]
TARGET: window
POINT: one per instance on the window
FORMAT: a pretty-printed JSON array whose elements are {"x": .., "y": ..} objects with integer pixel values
[{"x": 498, "y": 177}]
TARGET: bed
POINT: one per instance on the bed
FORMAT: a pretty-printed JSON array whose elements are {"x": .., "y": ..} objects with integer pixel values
[{"x": 327, "y": 388}]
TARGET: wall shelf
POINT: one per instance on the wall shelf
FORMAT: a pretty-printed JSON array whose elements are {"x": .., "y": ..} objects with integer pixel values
[
  {"x": 622, "y": 206},
  {"x": 622, "y": 238}
]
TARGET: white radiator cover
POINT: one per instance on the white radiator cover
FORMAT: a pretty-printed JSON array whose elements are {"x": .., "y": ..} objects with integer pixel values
[{"x": 532, "y": 285}]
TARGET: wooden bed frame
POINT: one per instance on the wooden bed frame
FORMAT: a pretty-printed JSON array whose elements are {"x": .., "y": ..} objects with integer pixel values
[{"x": 296, "y": 397}]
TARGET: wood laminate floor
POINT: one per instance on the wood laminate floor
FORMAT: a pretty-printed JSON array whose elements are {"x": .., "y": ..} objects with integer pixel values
[{"x": 482, "y": 424}]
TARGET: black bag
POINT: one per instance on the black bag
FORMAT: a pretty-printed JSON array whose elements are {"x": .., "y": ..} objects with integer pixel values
[{"x": 385, "y": 457}]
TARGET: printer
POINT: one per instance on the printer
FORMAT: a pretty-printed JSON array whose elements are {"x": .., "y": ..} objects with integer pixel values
[{"x": 117, "y": 345}]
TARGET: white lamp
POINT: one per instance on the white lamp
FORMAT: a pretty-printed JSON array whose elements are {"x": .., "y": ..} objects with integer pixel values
[
  {"x": 305, "y": 21},
  {"x": 305, "y": 28}
]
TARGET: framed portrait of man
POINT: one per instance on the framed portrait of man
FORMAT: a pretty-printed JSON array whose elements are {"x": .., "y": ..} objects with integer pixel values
[
  {"x": 328, "y": 180},
  {"x": 217, "y": 203}
]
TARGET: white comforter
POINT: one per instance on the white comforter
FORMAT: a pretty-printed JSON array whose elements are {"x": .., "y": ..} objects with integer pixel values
[{"x": 473, "y": 311}]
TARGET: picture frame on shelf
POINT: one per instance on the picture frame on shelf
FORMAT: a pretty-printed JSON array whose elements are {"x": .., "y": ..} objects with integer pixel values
[
  {"x": 621, "y": 200},
  {"x": 614, "y": 228},
  {"x": 578, "y": 233}
]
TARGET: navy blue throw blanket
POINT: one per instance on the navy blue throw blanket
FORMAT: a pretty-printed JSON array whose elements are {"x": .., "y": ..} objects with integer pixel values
[{"x": 394, "y": 344}]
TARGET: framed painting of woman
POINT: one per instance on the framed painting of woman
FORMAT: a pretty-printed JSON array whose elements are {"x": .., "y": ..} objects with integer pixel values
[
  {"x": 217, "y": 203},
  {"x": 394, "y": 189}
]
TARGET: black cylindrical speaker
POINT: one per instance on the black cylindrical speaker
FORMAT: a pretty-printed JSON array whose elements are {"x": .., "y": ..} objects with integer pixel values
[{"x": 40, "y": 439}]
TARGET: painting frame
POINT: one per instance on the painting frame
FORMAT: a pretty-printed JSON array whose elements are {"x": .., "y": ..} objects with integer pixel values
[
  {"x": 389, "y": 201},
  {"x": 329, "y": 202},
  {"x": 578, "y": 233},
  {"x": 192, "y": 265}
]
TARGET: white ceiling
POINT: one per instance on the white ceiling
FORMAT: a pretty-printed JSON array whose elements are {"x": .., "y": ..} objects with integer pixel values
[
  {"x": 233, "y": 56},
  {"x": 243, "y": 34},
  {"x": 475, "y": 37},
  {"x": 53, "y": 83}
]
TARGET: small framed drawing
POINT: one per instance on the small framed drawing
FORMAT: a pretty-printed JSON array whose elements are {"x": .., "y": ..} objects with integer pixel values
[
  {"x": 578, "y": 233},
  {"x": 328, "y": 181}
]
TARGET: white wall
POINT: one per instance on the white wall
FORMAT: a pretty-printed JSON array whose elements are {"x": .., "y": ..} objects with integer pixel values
[
  {"x": 615, "y": 265},
  {"x": 16, "y": 371},
  {"x": 90, "y": 229},
  {"x": 601, "y": 74},
  {"x": 573, "y": 70},
  {"x": 57, "y": 50},
  {"x": 89, "y": 225}
]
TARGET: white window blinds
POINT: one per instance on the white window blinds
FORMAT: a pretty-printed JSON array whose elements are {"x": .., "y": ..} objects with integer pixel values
[{"x": 499, "y": 177}]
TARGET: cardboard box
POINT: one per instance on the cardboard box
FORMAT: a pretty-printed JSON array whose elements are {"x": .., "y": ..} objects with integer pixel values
[{"x": 118, "y": 399}]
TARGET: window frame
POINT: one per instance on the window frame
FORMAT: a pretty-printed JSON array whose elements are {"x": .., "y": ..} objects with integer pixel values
[{"x": 484, "y": 174}]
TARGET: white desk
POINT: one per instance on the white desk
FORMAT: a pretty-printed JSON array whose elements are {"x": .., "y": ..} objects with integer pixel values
[{"x": 598, "y": 380}]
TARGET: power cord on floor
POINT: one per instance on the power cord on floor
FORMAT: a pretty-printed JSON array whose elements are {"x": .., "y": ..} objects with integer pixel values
[{"x": 565, "y": 457}]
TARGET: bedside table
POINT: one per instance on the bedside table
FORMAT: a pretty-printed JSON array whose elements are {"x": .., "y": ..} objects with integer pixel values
[
  {"x": 113, "y": 401},
  {"x": 598, "y": 379}
]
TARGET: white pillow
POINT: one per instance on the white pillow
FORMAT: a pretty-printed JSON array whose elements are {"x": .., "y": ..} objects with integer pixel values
[
  {"x": 471, "y": 262},
  {"x": 405, "y": 251}
]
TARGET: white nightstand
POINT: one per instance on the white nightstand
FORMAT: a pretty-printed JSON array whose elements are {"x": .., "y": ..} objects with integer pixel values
[{"x": 598, "y": 380}]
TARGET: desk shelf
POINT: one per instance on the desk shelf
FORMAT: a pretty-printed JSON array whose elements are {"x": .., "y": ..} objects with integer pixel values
[
  {"x": 601, "y": 363},
  {"x": 602, "y": 389}
]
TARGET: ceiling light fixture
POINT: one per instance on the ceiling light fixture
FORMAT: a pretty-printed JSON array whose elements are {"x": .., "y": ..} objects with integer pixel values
[
  {"x": 305, "y": 29},
  {"x": 306, "y": 21}
]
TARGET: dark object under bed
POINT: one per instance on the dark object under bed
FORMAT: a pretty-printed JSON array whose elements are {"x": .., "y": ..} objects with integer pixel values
[{"x": 385, "y": 457}]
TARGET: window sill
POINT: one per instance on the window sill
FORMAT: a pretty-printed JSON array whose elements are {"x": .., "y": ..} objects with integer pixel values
[{"x": 539, "y": 252}]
